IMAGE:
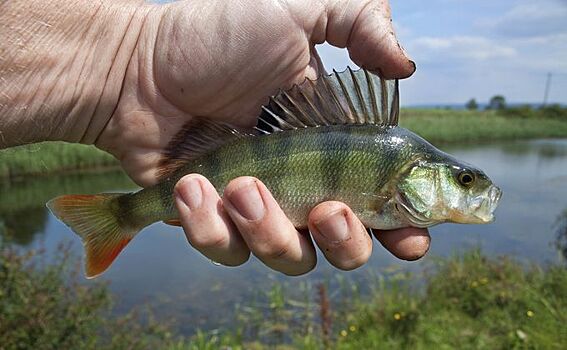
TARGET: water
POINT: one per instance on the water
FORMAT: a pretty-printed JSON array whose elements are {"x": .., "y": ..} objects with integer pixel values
[{"x": 160, "y": 268}]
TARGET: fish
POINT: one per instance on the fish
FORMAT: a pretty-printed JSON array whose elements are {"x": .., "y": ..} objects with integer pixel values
[{"x": 333, "y": 138}]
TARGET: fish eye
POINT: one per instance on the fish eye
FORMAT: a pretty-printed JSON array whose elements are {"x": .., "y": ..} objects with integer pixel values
[{"x": 466, "y": 178}]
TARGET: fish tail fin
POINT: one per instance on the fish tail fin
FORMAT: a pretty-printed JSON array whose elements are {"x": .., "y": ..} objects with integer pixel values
[{"x": 94, "y": 218}]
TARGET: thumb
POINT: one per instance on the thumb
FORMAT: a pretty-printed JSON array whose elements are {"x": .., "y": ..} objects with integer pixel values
[{"x": 365, "y": 28}]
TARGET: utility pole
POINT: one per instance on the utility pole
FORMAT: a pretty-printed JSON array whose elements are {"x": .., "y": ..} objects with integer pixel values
[{"x": 547, "y": 87}]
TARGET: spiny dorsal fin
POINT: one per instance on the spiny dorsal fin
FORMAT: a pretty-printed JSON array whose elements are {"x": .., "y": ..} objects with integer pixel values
[
  {"x": 196, "y": 138},
  {"x": 348, "y": 97}
]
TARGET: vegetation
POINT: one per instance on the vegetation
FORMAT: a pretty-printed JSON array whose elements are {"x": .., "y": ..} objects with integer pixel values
[
  {"x": 52, "y": 157},
  {"x": 43, "y": 306},
  {"x": 466, "y": 302},
  {"x": 497, "y": 102},
  {"x": 450, "y": 126},
  {"x": 436, "y": 125},
  {"x": 471, "y": 105}
]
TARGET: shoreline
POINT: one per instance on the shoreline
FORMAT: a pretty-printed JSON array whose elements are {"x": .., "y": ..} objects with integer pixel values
[{"x": 438, "y": 126}]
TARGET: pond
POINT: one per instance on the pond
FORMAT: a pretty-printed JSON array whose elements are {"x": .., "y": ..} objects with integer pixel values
[{"x": 160, "y": 268}]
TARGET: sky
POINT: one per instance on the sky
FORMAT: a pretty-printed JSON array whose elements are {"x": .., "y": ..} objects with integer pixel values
[{"x": 478, "y": 48}]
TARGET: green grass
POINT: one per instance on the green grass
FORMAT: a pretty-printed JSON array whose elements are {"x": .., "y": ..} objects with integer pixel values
[
  {"x": 469, "y": 303},
  {"x": 465, "y": 302},
  {"x": 450, "y": 126},
  {"x": 436, "y": 125},
  {"x": 44, "y": 305},
  {"x": 52, "y": 157}
]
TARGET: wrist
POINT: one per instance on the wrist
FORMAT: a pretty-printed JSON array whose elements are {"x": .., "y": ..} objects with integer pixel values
[
  {"x": 123, "y": 66},
  {"x": 64, "y": 67}
]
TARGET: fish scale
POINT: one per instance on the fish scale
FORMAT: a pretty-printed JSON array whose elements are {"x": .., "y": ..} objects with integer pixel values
[{"x": 335, "y": 138}]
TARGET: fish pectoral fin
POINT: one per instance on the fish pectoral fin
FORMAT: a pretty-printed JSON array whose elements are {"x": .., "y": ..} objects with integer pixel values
[{"x": 93, "y": 218}]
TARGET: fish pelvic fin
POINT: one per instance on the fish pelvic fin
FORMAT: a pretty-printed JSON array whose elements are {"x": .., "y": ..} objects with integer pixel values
[{"x": 94, "y": 218}]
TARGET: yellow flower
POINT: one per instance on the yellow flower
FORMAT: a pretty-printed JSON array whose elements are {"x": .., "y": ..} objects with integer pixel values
[
  {"x": 530, "y": 313},
  {"x": 474, "y": 284},
  {"x": 352, "y": 328},
  {"x": 397, "y": 316},
  {"x": 483, "y": 280},
  {"x": 344, "y": 333}
]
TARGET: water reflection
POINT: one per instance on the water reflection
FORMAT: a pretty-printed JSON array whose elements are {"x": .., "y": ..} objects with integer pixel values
[
  {"x": 544, "y": 149},
  {"x": 21, "y": 226},
  {"x": 561, "y": 234},
  {"x": 23, "y": 214},
  {"x": 159, "y": 267}
]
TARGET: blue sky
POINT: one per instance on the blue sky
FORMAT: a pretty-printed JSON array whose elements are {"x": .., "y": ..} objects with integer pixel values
[{"x": 478, "y": 48}]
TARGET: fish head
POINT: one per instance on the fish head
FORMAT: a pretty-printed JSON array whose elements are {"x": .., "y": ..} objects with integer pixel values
[{"x": 435, "y": 192}]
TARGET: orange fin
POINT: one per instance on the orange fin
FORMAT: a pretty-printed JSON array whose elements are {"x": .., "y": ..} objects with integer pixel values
[
  {"x": 94, "y": 218},
  {"x": 173, "y": 222}
]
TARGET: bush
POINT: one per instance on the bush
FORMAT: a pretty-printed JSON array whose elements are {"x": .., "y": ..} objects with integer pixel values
[
  {"x": 554, "y": 111},
  {"x": 43, "y": 306}
]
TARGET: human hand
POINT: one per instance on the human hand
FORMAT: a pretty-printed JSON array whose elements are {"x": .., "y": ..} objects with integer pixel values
[{"x": 220, "y": 60}]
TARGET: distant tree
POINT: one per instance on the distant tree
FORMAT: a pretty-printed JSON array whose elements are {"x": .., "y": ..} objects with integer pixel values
[
  {"x": 472, "y": 105},
  {"x": 497, "y": 102}
]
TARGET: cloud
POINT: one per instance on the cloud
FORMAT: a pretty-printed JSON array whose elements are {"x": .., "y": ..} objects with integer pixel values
[
  {"x": 529, "y": 19},
  {"x": 467, "y": 48}
]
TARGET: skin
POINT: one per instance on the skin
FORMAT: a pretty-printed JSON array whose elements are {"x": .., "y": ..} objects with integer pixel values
[{"x": 125, "y": 76}]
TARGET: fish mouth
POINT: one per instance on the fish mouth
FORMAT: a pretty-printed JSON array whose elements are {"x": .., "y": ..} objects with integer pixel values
[
  {"x": 485, "y": 209},
  {"x": 415, "y": 218},
  {"x": 479, "y": 210}
]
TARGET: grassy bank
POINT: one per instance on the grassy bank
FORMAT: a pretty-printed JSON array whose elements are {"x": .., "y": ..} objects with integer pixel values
[
  {"x": 436, "y": 125},
  {"x": 449, "y": 126},
  {"x": 466, "y": 302},
  {"x": 52, "y": 157}
]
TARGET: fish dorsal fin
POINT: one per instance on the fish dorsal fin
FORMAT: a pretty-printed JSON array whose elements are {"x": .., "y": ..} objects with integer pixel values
[
  {"x": 196, "y": 138},
  {"x": 348, "y": 97}
]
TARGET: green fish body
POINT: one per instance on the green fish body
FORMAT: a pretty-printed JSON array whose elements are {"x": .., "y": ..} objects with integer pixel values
[{"x": 333, "y": 139}]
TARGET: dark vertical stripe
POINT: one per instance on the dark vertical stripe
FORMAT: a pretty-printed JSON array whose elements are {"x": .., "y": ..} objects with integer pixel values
[
  {"x": 259, "y": 148},
  {"x": 387, "y": 159},
  {"x": 282, "y": 148},
  {"x": 213, "y": 166},
  {"x": 334, "y": 147}
]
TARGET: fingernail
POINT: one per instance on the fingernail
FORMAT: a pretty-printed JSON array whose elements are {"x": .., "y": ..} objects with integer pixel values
[
  {"x": 247, "y": 201},
  {"x": 190, "y": 193},
  {"x": 334, "y": 227},
  {"x": 414, "y": 66}
]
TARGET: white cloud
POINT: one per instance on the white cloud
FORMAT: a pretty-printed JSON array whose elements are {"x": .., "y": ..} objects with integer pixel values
[
  {"x": 478, "y": 49},
  {"x": 474, "y": 48},
  {"x": 529, "y": 19}
]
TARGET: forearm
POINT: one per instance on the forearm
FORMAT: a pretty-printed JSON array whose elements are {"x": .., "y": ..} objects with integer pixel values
[{"x": 62, "y": 65}]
